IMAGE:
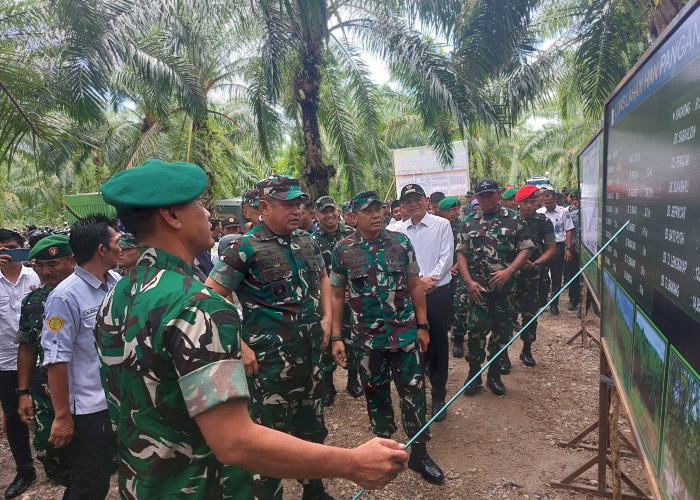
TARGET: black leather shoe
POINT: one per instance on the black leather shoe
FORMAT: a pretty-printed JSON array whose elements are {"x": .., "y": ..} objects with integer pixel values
[
  {"x": 473, "y": 388},
  {"x": 421, "y": 462},
  {"x": 329, "y": 396},
  {"x": 505, "y": 364},
  {"x": 578, "y": 313},
  {"x": 458, "y": 347},
  {"x": 493, "y": 381},
  {"x": 20, "y": 484},
  {"x": 572, "y": 307},
  {"x": 526, "y": 356},
  {"x": 355, "y": 389},
  {"x": 554, "y": 310},
  {"x": 314, "y": 490},
  {"x": 437, "y": 406}
]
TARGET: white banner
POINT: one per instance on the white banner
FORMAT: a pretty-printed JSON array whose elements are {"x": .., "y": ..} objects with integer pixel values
[{"x": 422, "y": 166}]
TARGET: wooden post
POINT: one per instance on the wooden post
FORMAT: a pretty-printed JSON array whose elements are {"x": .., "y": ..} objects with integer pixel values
[{"x": 615, "y": 444}]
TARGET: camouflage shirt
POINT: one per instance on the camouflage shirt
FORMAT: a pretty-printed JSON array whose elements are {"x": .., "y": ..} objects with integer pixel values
[
  {"x": 277, "y": 280},
  {"x": 457, "y": 228},
  {"x": 491, "y": 242},
  {"x": 31, "y": 322},
  {"x": 169, "y": 351},
  {"x": 540, "y": 231},
  {"x": 377, "y": 272},
  {"x": 326, "y": 241}
]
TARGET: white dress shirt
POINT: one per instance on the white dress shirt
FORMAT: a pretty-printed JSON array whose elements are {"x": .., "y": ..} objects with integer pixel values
[
  {"x": 433, "y": 243},
  {"x": 68, "y": 337},
  {"x": 398, "y": 226},
  {"x": 561, "y": 220},
  {"x": 11, "y": 295}
]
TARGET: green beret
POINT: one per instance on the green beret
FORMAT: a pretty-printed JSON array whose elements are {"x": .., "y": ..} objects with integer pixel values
[
  {"x": 51, "y": 247},
  {"x": 509, "y": 193},
  {"x": 363, "y": 200},
  {"x": 127, "y": 241},
  {"x": 154, "y": 184},
  {"x": 449, "y": 202},
  {"x": 280, "y": 187}
]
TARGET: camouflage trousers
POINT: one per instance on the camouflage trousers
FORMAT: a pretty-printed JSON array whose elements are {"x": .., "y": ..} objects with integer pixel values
[
  {"x": 460, "y": 307},
  {"x": 377, "y": 369},
  {"x": 491, "y": 314},
  {"x": 293, "y": 406},
  {"x": 527, "y": 303},
  {"x": 54, "y": 460}
]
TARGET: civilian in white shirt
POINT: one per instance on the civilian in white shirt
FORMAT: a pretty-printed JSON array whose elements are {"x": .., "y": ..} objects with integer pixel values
[
  {"x": 397, "y": 220},
  {"x": 68, "y": 340},
  {"x": 16, "y": 281},
  {"x": 431, "y": 237},
  {"x": 564, "y": 235}
]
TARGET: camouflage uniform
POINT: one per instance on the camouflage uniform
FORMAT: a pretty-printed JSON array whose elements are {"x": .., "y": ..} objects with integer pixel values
[
  {"x": 54, "y": 460},
  {"x": 460, "y": 301},
  {"x": 169, "y": 350},
  {"x": 540, "y": 231},
  {"x": 277, "y": 280},
  {"x": 490, "y": 243},
  {"x": 326, "y": 242},
  {"x": 384, "y": 326}
]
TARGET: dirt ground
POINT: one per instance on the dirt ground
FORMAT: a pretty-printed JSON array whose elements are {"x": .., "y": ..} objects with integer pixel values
[{"x": 489, "y": 447}]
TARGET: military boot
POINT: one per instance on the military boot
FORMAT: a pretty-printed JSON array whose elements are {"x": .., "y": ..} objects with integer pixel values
[
  {"x": 354, "y": 388},
  {"x": 526, "y": 355},
  {"x": 493, "y": 379},
  {"x": 329, "y": 396},
  {"x": 474, "y": 387},
  {"x": 458, "y": 346},
  {"x": 505, "y": 363},
  {"x": 421, "y": 462},
  {"x": 314, "y": 490}
]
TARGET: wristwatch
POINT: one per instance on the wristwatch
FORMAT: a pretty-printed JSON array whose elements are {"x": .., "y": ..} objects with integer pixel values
[
  {"x": 536, "y": 264},
  {"x": 422, "y": 326},
  {"x": 22, "y": 392}
]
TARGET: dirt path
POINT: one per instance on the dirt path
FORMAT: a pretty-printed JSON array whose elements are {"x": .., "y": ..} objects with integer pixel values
[{"x": 489, "y": 447}]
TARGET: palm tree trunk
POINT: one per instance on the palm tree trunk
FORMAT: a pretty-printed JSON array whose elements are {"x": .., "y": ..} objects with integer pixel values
[{"x": 307, "y": 82}]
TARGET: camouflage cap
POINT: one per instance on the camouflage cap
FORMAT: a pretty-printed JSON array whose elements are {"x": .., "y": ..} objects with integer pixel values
[
  {"x": 323, "y": 202},
  {"x": 363, "y": 200},
  {"x": 251, "y": 197},
  {"x": 127, "y": 241},
  {"x": 51, "y": 247},
  {"x": 509, "y": 193},
  {"x": 280, "y": 187},
  {"x": 345, "y": 207},
  {"x": 449, "y": 202}
]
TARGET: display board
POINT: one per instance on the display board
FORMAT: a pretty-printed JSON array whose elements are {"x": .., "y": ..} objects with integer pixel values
[
  {"x": 590, "y": 167},
  {"x": 651, "y": 272},
  {"x": 422, "y": 166}
]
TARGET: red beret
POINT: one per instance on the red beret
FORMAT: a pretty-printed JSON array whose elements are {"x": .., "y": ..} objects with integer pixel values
[{"x": 525, "y": 192}]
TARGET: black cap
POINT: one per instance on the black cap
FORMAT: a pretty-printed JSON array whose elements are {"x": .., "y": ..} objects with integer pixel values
[
  {"x": 230, "y": 221},
  {"x": 485, "y": 186},
  {"x": 395, "y": 203},
  {"x": 411, "y": 189}
]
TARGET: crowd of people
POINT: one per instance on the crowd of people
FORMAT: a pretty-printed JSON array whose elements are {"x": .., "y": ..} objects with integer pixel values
[{"x": 195, "y": 356}]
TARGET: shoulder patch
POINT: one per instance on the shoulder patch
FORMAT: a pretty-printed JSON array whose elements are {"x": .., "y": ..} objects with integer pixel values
[{"x": 54, "y": 323}]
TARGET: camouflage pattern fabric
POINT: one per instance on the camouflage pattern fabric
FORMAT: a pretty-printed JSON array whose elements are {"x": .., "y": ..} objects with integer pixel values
[
  {"x": 490, "y": 243},
  {"x": 169, "y": 351},
  {"x": 54, "y": 460},
  {"x": 377, "y": 368},
  {"x": 326, "y": 243},
  {"x": 377, "y": 272},
  {"x": 460, "y": 300},
  {"x": 277, "y": 281}
]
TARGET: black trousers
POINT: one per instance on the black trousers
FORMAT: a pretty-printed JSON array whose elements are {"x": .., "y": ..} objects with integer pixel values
[
  {"x": 91, "y": 452},
  {"x": 437, "y": 357},
  {"x": 571, "y": 268},
  {"x": 17, "y": 431},
  {"x": 556, "y": 269}
]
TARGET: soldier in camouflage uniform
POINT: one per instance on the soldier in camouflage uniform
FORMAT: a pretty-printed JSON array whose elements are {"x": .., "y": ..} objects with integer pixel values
[
  {"x": 492, "y": 247},
  {"x": 450, "y": 209},
  {"x": 382, "y": 274},
  {"x": 328, "y": 234},
  {"x": 251, "y": 209},
  {"x": 54, "y": 262},
  {"x": 541, "y": 232},
  {"x": 280, "y": 278},
  {"x": 170, "y": 364}
]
